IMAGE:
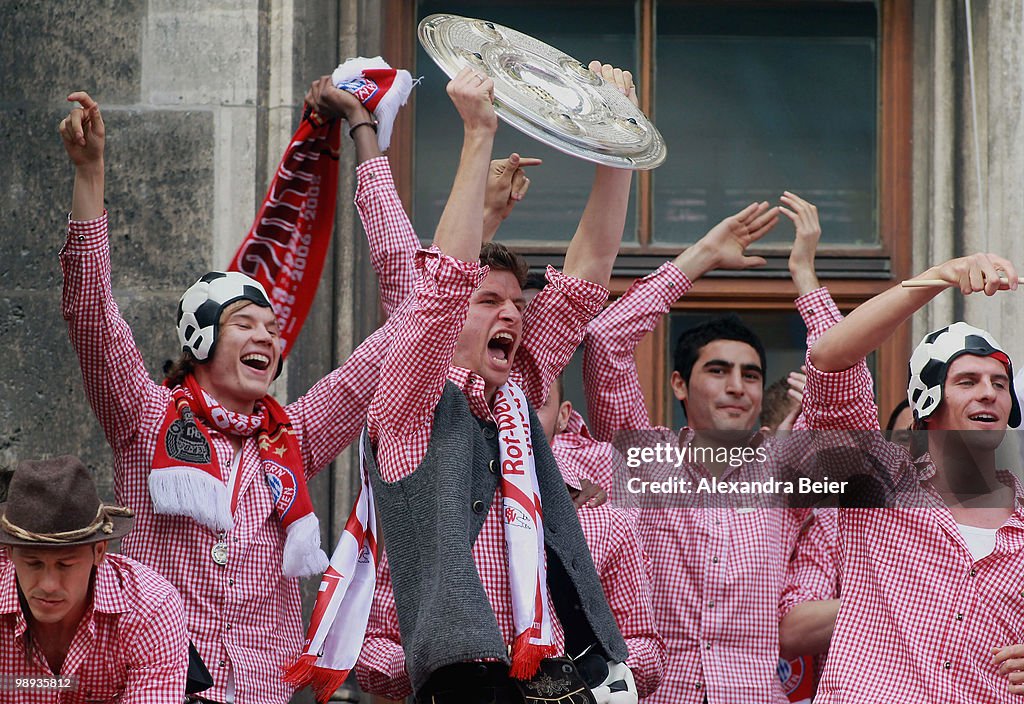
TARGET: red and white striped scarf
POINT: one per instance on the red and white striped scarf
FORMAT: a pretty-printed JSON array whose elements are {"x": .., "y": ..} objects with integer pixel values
[
  {"x": 338, "y": 624},
  {"x": 185, "y": 479}
]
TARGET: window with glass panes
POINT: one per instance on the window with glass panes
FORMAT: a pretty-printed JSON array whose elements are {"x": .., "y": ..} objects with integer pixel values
[{"x": 753, "y": 97}]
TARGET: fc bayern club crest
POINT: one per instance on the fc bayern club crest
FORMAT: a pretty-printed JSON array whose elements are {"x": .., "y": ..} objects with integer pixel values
[{"x": 797, "y": 677}]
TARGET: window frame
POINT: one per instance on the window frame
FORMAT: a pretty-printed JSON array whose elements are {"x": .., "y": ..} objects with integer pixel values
[{"x": 852, "y": 274}]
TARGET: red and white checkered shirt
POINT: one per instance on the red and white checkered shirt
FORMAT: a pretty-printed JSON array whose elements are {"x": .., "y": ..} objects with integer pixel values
[
  {"x": 624, "y": 571},
  {"x": 418, "y": 365},
  {"x": 814, "y": 571},
  {"x": 719, "y": 570},
  {"x": 130, "y": 647},
  {"x": 393, "y": 241},
  {"x": 919, "y": 614},
  {"x": 577, "y": 451},
  {"x": 244, "y": 617}
]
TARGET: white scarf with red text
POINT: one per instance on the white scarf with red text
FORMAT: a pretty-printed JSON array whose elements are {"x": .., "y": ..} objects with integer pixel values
[
  {"x": 522, "y": 518},
  {"x": 338, "y": 624}
]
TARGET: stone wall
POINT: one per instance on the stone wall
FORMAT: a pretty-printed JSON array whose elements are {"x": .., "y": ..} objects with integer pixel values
[{"x": 199, "y": 98}]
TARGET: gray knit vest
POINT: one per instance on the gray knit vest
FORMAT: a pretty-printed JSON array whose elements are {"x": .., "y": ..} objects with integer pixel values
[{"x": 430, "y": 520}]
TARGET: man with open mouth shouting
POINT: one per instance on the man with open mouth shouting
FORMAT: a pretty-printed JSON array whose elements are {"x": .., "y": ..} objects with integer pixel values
[{"x": 461, "y": 468}]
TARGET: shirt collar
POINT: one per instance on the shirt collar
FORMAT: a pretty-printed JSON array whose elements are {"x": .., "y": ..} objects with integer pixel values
[
  {"x": 8, "y": 590},
  {"x": 925, "y": 470},
  {"x": 577, "y": 425},
  {"x": 472, "y": 385},
  {"x": 109, "y": 590}
]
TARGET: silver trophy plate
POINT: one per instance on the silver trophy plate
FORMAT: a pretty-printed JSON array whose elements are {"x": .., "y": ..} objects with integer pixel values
[{"x": 545, "y": 93}]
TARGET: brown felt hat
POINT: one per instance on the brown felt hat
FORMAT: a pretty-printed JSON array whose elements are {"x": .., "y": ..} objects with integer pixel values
[{"x": 53, "y": 503}]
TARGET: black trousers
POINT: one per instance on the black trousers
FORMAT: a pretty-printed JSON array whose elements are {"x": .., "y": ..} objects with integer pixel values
[{"x": 489, "y": 683}]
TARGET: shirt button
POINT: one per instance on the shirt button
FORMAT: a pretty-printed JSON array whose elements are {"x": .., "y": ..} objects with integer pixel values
[
  {"x": 227, "y": 627},
  {"x": 489, "y": 433},
  {"x": 707, "y": 646},
  {"x": 671, "y": 284},
  {"x": 959, "y": 617},
  {"x": 222, "y": 664},
  {"x": 711, "y": 604},
  {"x": 493, "y": 466},
  {"x": 715, "y": 560},
  {"x": 947, "y": 664},
  {"x": 974, "y": 573},
  {"x": 478, "y": 506},
  {"x": 81, "y": 238},
  {"x": 231, "y": 582},
  {"x": 697, "y": 686}
]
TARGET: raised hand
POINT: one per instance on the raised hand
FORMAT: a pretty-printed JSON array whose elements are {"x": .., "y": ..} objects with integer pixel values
[
  {"x": 623, "y": 80},
  {"x": 725, "y": 245},
  {"x": 977, "y": 272},
  {"x": 804, "y": 216},
  {"x": 83, "y": 132},
  {"x": 331, "y": 102},
  {"x": 472, "y": 93},
  {"x": 507, "y": 184}
]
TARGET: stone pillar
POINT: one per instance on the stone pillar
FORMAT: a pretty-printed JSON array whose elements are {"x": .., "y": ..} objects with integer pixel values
[{"x": 952, "y": 215}]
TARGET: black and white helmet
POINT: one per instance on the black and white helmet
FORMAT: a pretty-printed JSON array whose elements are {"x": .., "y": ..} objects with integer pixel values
[
  {"x": 930, "y": 363},
  {"x": 201, "y": 306}
]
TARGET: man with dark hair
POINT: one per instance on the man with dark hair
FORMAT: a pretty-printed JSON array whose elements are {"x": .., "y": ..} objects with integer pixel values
[
  {"x": 931, "y": 586},
  {"x": 78, "y": 623},
  {"x": 719, "y": 567},
  {"x": 458, "y": 469}
]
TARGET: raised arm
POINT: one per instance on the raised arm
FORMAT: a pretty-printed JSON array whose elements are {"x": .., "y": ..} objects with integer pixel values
[
  {"x": 84, "y": 138},
  {"x": 615, "y": 398},
  {"x": 417, "y": 364},
  {"x": 867, "y": 327},
  {"x": 595, "y": 244},
  {"x": 115, "y": 378}
]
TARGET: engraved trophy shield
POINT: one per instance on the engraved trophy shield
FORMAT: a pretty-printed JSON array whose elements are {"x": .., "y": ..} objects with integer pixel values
[{"x": 546, "y": 93}]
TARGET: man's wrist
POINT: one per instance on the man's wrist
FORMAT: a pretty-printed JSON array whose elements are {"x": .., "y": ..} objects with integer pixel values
[
  {"x": 695, "y": 261},
  {"x": 90, "y": 169},
  {"x": 358, "y": 114},
  {"x": 804, "y": 280}
]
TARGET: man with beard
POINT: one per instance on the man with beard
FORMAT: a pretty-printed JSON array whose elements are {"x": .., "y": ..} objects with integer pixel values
[{"x": 931, "y": 585}]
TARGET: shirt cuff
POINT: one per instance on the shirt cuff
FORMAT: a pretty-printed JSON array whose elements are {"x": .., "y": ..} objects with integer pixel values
[
  {"x": 826, "y": 389},
  {"x": 373, "y": 175},
  {"x": 818, "y": 309},
  {"x": 86, "y": 235},
  {"x": 667, "y": 283},
  {"x": 445, "y": 276},
  {"x": 586, "y": 297}
]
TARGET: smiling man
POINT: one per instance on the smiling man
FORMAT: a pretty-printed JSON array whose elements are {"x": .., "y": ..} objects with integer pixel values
[
  {"x": 931, "y": 605},
  {"x": 719, "y": 566},
  {"x": 78, "y": 624},
  {"x": 213, "y": 466}
]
